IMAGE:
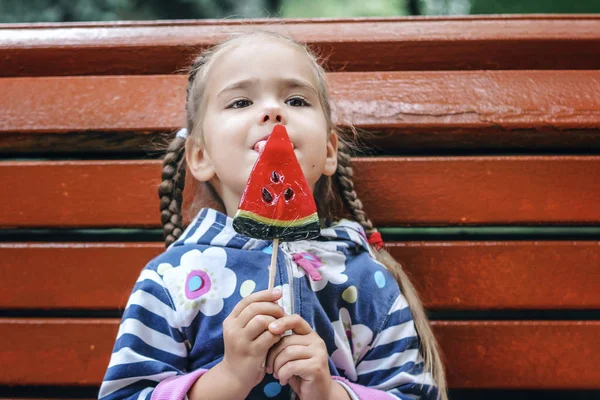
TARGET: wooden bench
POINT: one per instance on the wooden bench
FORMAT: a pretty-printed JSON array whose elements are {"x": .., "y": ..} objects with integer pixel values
[{"x": 485, "y": 181}]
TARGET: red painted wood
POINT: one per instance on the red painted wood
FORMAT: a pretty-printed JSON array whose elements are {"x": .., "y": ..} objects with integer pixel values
[
  {"x": 402, "y": 191},
  {"x": 480, "y": 190},
  {"x": 473, "y": 42},
  {"x": 55, "y": 351},
  {"x": 116, "y": 103},
  {"x": 481, "y": 355},
  {"x": 521, "y": 354},
  {"x": 92, "y": 275},
  {"x": 448, "y": 275},
  {"x": 545, "y": 275},
  {"x": 558, "y": 103}
]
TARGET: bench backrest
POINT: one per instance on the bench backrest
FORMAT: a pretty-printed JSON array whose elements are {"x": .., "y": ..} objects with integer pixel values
[{"x": 484, "y": 179}]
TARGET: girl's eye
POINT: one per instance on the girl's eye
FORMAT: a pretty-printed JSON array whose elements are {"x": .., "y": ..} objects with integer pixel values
[
  {"x": 297, "y": 102},
  {"x": 242, "y": 103}
]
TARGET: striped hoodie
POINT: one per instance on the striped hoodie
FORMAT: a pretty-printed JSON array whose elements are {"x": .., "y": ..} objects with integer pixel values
[{"x": 171, "y": 330}]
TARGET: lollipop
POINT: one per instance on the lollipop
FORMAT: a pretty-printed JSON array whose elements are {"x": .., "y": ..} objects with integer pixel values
[{"x": 277, "y": 203}]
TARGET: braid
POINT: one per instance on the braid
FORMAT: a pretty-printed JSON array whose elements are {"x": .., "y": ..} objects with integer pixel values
[
  {"x": 344, "y": 176},
  {"x": 170, "y": 190},
  {"x": 429, "y": 348}
]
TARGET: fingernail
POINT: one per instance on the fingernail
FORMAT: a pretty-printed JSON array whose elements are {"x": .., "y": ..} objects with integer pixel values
[
  {"x": 276, "y": 292},
  {"x": 273, "y": 326}
]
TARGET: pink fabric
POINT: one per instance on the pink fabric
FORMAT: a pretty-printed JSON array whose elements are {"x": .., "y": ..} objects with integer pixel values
[
  {"x": 363, "y": 392},
  {"x": 310, "y": 267},
  {"x": 176, "y": 387}
]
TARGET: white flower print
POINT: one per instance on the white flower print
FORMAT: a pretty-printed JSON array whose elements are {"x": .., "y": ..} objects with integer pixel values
[
  {"x": 330, "y": 263},
  {"x": 352, "y": 342},
  {"x": 200, "y": 283}
]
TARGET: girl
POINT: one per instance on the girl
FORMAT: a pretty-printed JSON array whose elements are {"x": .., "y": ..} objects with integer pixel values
[{"x": 199, "y": 322}]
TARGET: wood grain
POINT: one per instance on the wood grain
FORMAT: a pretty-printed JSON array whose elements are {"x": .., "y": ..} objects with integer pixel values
[
  {"x": 479, "y": 355},
  {"x": 503, "y": 275},
  {"x": 498, "y": 103},
  {"x": 402, "y": 191}
]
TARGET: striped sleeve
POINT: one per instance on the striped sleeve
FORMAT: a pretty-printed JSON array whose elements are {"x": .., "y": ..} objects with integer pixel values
[
  {"x": 149, "y": 348},
  {"x": 393, "y": 368}
]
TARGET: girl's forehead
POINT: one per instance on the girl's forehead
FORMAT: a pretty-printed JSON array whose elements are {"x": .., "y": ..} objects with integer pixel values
[{"x": 261, "y": 60}]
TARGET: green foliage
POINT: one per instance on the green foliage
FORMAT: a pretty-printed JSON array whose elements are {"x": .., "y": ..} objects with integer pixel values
[
  {"x": 445, "y": 7},
  {"x": 342, "y": 8},
  {"x": 534, "y": 6},
  {"x": 115, "y": 10}
]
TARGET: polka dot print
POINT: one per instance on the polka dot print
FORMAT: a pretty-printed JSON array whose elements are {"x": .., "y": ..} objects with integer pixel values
[
  {"x": 272, "y": 389},
  {"x": 350, "y": 295},
  {"x": 379, "y": 279},
  {"x": 268, "y": 250},
  {"x": 162, "y": 268},
  {"x": 247, "y": 288}
]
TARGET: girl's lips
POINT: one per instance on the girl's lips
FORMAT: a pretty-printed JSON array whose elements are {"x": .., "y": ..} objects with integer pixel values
[{"x": 260, "y": 145}]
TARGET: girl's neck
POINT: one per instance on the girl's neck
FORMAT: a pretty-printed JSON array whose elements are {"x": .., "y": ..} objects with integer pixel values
[{"x": 230, "y": 199}]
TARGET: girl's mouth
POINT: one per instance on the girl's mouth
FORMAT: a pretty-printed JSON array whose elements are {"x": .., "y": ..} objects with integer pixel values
[{"x": 260, "y": 145}]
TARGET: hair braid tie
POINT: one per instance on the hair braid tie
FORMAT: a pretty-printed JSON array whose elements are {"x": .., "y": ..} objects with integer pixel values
[{"x": 375, "y": 240}]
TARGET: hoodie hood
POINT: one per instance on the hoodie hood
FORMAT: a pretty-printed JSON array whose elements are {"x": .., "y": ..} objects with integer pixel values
[{"x": 213, "y": 228}]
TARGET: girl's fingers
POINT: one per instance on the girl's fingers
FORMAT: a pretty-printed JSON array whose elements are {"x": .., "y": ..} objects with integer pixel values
[
  {"x": 257, "y": 326},
  {"x": 287, "y": 341},
  {"x": 264, "y": 295},
  {"x": 289, "y": 354},
  {"x": 266, "y": 340},
  {"x": 301, "y": 368},
  {"x": 294, "y": 322},
  {"x": 259, "y": 308}
]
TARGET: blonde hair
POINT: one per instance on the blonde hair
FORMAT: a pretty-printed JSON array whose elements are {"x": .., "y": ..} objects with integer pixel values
[{"x": 331, "y": 193}]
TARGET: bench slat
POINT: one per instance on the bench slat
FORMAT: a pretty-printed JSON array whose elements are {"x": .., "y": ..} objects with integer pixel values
[
  {"x": 474, "y": 42},
  {"x": 548, "y": 275},
  {"x": 408, "y": 102},
  {"x": 503, "y": 275},
  {"x": 490, "y": 354},
  {"x": 403, "y": 191}
]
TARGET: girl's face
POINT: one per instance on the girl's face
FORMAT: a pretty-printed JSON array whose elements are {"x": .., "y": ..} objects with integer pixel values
[{"x": 250, "y": 88}]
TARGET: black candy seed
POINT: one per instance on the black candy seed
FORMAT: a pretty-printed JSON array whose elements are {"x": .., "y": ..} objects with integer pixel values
[
  {"x": 274, "y": 177},
  {"x": 267, "y": 196},
  {"x": 288, "y": 194}
]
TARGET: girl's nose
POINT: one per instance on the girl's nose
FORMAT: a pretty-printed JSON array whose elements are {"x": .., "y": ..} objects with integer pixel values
[{"x": 273, "y": 115}]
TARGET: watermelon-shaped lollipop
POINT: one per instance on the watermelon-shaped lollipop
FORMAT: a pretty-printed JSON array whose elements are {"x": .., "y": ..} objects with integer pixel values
[{"x": 277, "y": 203}]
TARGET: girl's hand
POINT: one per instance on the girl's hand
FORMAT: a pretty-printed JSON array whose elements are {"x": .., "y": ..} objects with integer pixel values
[
  {"x": 247, "y": 339},
  {"x": 302, "y": 361}
]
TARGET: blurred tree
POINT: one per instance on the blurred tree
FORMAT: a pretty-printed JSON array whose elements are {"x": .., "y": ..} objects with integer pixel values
[
  {"x": 111, "y": 10},
  {"x": 534, "y": 6},
  {"x": 446, "y": 7},
  {"x": 342, "y": 8},
  {"x": 414, "y": 7},
  {"x": 114, "y": 10}
]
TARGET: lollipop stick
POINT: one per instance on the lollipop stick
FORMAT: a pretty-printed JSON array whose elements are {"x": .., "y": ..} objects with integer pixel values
[{"x": 273, "y": 266}]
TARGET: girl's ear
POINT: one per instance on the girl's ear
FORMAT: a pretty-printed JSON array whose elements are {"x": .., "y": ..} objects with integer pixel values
[
  {"x": 332, "y": 150},
  {"x": 199, "y": 162}
]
